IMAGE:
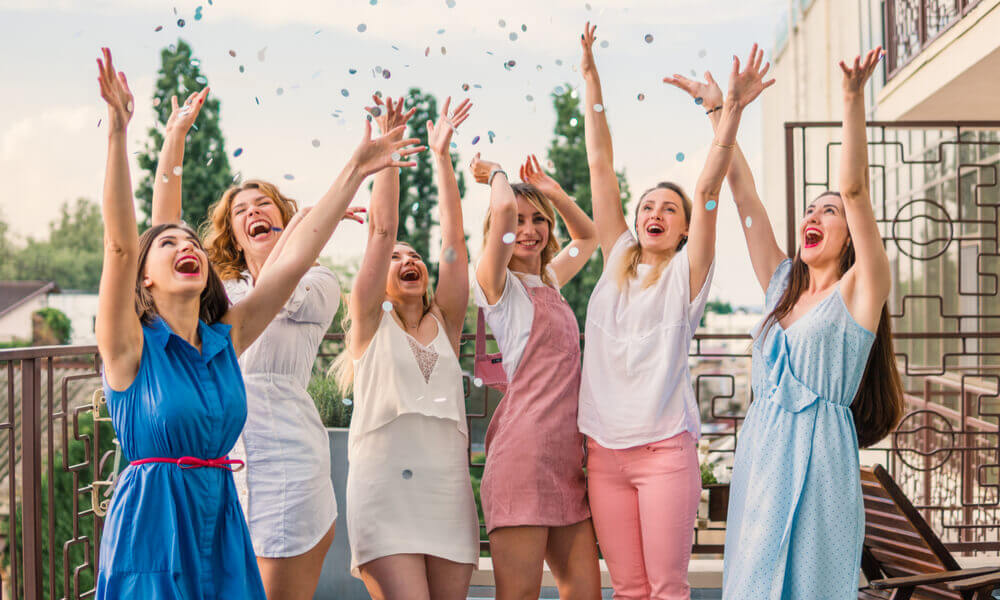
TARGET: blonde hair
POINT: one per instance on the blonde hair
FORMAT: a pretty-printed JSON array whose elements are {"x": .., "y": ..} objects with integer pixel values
[
  {"x": 544, "y": 206},
  {"x": 628, "y": 268},
  {"x": 342, "y": 368},
  {"x": 220, "y": 243}
]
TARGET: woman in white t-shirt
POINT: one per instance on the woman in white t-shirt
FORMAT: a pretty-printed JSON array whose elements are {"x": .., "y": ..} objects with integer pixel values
[
  {"x": 637, "y": 406},
  {"x": 534, "y": 491}
]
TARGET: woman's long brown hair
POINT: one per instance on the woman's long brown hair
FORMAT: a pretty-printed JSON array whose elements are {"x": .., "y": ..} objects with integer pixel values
[
  {"x": 213, "y": 301},
  {"x": 878, "y": 405}
]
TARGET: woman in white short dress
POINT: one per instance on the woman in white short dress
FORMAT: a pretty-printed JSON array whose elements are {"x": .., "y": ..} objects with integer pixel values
[
  {"x": 285, "y": 490},
  {"x": 411, "y": 514}
]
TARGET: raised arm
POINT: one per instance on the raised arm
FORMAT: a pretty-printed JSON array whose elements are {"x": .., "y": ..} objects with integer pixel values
[
  {"x": 119, "y": 333},
  {"x": 744, "y": 87},
  {"x": 581, "y": 229},
  {"x": 765, "y": 254},
  {"x": 491, "y": 274},
  {"x": 452, "y": 293},
  {"x": 867, "y": 292},
  {"x": 368, "y": 292},
  {"x": 167, "y": 183},
  {"x": 604, "y": 192},
  {"x": 250, "y": 316}
]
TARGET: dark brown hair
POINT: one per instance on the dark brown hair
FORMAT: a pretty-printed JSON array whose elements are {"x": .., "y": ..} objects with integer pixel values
[
  {"x": 630, "y": 262},
  {"x": 878, "y": 405},
  {"x": 213, "y": 301}
]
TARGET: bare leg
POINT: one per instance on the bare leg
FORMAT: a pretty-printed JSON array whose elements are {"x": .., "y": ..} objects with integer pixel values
[
  {"x": 447, "y": 580},
  {"x": 518, "y": 555},
  {"x": 396, "y": 577},
  {"x": 295, "y": 577},
  {"x": 572, "y": 555}
]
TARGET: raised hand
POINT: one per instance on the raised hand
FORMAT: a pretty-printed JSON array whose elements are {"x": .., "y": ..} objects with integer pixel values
[
  {"x": 114, "y": 90},
  {"x": 708, "y": 90},
  {"x": 746, "y": 85},
  {"x": 183, "y": 117},
  {"x": 857, "y": 75},
  {"x": 481, "y": 169},
  {"x": 373, "y": 155},
  {"x": 439, "y": 134},
  {"x": 587, "y": 39},
  {"x": 355, "y": 213},
  {"x": 531, "y": 172},
  {"x": 388, "y": 115}
]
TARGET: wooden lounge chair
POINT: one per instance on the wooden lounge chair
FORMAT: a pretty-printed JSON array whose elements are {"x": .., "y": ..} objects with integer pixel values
[{"x": 903, "y": 558}]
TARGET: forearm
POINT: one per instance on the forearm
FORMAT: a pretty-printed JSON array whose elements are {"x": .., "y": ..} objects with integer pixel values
[
  {"x": 449, "y": 203},
  {"x": 167, "y": 183},
  {"x": 578, "y": 224},
  {"x": 597, "y": 134},
  {"x": 854, "y": 155},
  {"x": 720, "y": 153},
  {"x": 383, "y": 213},
  {"x": 117, "y": 205}
]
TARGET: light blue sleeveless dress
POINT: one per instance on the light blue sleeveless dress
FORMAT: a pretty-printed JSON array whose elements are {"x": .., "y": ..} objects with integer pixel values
[
  {"x": 796, "y": 518},
  {"x": 177, "y": 533}
]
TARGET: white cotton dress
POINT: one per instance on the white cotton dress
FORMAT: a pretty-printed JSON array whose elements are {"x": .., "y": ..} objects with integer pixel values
[
  {"x": 408, "y": 486},
  {"x": 285, "y": 490}
]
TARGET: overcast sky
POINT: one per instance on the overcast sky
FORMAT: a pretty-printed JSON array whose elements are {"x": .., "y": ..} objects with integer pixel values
[{"x": 52, "y": 149}]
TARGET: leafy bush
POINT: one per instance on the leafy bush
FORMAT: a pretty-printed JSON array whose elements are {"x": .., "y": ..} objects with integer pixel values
[
  {"x": 57, "y": 323},
  {"x": 333, "y": 411}
]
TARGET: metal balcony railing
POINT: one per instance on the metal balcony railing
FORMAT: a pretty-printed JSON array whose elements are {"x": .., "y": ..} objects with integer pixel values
[{"x": 911, "y": 25}]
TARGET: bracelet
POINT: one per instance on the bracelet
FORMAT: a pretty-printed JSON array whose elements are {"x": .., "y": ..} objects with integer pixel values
[
  {"x": 493, "y": 174},
  {"x": 712, "y": 110},
  {"x": 726, "y": 146}
]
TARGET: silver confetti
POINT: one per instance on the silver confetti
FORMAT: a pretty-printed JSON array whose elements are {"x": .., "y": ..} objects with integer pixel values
[{"x": 508, "y": 238}]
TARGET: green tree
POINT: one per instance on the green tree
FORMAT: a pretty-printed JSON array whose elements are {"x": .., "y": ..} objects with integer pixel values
[
  {"x": 568, "y": 163},
  {"x": 418, "y": 194},
  {"x": 71, "y": 256},
  {"x": 206, "y": 164}
]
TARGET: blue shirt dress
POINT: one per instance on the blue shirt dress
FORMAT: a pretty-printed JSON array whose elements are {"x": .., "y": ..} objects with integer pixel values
[
  {"x": 796, "y": 518},
  {"x": 172, "y": 532}
]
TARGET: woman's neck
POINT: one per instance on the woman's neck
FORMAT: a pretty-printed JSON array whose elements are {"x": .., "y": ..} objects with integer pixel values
[
  {"x": 254, "y": 264},
  {"x": 182, "y": 317},
  {"x": 532, "y": 266},
  {"x": 410, "y": 311},
  {"x": 822, "y": 278}
]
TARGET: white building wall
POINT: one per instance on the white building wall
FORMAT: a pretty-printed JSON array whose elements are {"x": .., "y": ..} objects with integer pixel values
[
  {"x": 17, "y": 323},
  {"x": 81, "y": 308}
]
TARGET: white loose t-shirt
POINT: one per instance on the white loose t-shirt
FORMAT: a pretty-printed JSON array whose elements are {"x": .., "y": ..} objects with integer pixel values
[
  {"x": 636, "y": 386},
  {"x": 511, "y": 317}
]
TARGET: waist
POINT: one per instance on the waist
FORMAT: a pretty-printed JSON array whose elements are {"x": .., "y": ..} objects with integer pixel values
[{"x": 191, "y": 462}]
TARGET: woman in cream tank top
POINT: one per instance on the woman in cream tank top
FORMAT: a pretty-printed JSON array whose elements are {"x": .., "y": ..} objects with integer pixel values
[{"x": 411, "y": 515}]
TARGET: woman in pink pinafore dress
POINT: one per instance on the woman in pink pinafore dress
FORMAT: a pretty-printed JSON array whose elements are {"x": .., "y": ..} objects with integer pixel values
[{"x": 534, "y": 492}]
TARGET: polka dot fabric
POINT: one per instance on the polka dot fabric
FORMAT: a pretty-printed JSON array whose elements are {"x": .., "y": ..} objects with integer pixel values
[{"x": 796, "y": 518}]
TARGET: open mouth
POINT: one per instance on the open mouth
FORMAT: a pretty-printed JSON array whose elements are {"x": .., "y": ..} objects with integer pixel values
[
  {"x": 409, "y": 274},
  {"x": 654, "y": 229},
  {"x": 258, "y": 229},
  {"x": 813, "y": 237},
  {"x": 530, "y": 244},
  {"x": 188, "y": 265}
]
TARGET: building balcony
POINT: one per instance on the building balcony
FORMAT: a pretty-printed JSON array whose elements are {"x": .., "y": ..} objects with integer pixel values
[{"x": 942, "y": 60}]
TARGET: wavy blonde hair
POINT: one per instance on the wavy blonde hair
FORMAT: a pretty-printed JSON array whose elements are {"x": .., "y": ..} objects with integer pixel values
[
  {"x": 544, "y": 206},
  {"x": 220, "y": 243},
  {"x": 628, "y": 268},
  {"x": 342, "y": 368}
]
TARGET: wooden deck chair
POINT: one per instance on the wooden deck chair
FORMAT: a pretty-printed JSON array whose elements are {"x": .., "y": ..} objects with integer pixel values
[{"x": 903, "y": 558}]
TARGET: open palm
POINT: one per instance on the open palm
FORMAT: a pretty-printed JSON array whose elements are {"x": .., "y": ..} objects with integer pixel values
[
  {"x": 746, "y": 85},
  {"x": 115, "y": 91},
  {"x": 439, "y": 134},
  {"x": 708, "y": 90}
]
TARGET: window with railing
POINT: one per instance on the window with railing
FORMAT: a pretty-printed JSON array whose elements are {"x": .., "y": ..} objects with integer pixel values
[{"x": 910, "y": 25}]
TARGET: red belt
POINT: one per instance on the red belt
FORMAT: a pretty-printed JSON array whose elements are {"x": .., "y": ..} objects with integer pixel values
[{"x": 190, "y": 462}]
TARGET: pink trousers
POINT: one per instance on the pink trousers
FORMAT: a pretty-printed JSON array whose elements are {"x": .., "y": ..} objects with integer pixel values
[{"x": 644, "y": 501}]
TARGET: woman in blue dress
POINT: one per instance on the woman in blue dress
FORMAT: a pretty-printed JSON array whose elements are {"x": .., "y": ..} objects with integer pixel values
[
  {"x": 169, "y": 344},
  {"x": 824, "y": 379}
]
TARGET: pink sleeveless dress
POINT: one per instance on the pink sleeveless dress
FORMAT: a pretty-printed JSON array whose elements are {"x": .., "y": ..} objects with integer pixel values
[{"x": 534, "y": 450}]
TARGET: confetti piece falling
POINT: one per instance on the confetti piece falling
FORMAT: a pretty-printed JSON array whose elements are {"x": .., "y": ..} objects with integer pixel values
[
  {"x": 289, "y": 177},
  {"x": 477, "y": 382},
  {"x": 475, "y": 140},
  {"x": 598, "y": 108},
  {"x": 680, "y": 157},
  {"x": 347, "y": 401},
  {"x": 178, "y": 170},
  {"x": 315, "y": 143},
  {"x": 502, "y": 23},
  {"x": 710, "y": 205},
  {"x": 262, "y": 54},
  {"x": 362, "y": 28},
  {"x": 699, "y": 100},
  {"x": 574, "y": 251},
  {"x": 449, "y": 255},
  {"x": 605, "y": 43},
  {"x": 508, "y": 238},
  {"x": 749, "y": 222},
  {"x": 649, "y": 38},
  {"x": 345, "y": 93},
  {"x": 180, "y": 22},
  {"x": 237, "y": 152},
  {"x": 158, "y": 29},
  {"x": 407, "y": 474},
  {"x": 491, "y": 135},
  {"x": 641, "y": 97}
]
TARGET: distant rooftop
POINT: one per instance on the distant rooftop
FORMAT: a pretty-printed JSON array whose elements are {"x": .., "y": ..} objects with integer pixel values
[{"x": 16, "y": 293}]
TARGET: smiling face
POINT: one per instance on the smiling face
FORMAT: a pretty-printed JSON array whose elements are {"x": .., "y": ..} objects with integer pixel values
[
  {"x": 407, "y": 278},
  {"x": 533, "y": 231},
  {"x": 661, "y": 221},
  {"x": 256, "y": 222},
  {"x": 823, "y": 230},
  {"x": 175, "y": 264}
]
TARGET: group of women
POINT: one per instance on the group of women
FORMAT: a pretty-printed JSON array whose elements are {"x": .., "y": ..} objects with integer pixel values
[{"x": 208, "y": 346}]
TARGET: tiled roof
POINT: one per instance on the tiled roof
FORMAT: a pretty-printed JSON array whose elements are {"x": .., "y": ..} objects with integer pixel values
[{"x": 15, "y": 293}]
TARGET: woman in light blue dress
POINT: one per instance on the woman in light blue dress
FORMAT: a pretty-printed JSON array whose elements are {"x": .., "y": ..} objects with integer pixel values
[
  {"x": 824, "y": 380},
  {"x": 169, "y": 344}
]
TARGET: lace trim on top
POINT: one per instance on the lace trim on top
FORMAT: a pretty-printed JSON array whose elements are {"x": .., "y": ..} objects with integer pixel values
[{"x": 426, "y": 358}]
